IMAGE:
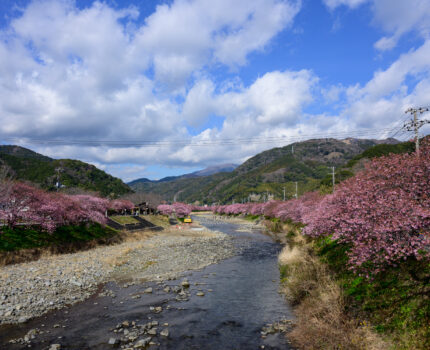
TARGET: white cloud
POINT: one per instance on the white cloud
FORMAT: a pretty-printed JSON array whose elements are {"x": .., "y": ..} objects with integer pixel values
[
  {"x": 105, "y": 73},
  {"x": 398, "y": 17},
  {"x": 279, "y": 97},
  {"x": 199, "y": 103},
  {"x": 187, "y": 35},
  {"x": 86, "y": 73},
  {"x": 386, "y": 43},
  {"x": 332, "y": 4},
  {"x": 395, "y": 17},
  {"x": 381, "y": 102},
  {"x": 271, "y": 106}
]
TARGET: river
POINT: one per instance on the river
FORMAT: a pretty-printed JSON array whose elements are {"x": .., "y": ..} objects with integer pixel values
[{"x": 240, "y": 298}]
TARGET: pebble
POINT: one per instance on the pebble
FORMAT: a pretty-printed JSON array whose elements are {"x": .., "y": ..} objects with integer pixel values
[
  {"x": 142, "y": 343},
  {"x": 152, "y": 331},
  {"x": 113, "y": 341},
  {"x": 185, "y": 284},
  {"x": 164, "y": 333},
  {"x": 23, "y": 319}
]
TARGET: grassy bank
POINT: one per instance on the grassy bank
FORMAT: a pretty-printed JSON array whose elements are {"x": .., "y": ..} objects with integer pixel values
[
  {"x": 26, "y": 243},
  {"x": 337, "y": 309}
]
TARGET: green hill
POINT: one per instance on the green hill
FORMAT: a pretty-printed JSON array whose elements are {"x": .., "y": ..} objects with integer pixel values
[
  {"x": 34, "y": 167},
  {"x": 267, "y": 173},
  {"x": 357, "y": 163}
]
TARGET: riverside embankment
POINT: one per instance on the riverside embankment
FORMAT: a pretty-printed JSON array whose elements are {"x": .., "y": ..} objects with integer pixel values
[{"x": 137, "y": 299}]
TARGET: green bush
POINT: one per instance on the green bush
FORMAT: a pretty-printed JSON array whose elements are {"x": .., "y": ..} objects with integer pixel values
[{"x": 396, "y": 301}]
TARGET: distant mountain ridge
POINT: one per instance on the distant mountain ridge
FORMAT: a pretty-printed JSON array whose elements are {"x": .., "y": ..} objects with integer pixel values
[
  {"x": 28, "y": 165},
  {"x": 221, "y": 168},
  {"x": 267, "y": 173}
]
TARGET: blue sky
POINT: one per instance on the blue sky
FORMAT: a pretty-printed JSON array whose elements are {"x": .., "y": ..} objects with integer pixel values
[{"x": 208, "y": 82}]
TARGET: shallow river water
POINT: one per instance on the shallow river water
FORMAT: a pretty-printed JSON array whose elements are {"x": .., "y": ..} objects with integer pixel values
[{"x": 240, "y": 297}]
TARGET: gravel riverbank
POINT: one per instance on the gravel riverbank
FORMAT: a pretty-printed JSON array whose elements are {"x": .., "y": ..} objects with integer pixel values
[{"x": 31, "y": 289}]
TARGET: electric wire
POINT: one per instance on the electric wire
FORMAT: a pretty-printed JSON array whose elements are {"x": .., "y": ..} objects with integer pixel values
[{"x": 201, "y": 143}]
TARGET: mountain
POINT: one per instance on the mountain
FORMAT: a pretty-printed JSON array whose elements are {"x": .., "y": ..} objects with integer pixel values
[
  {"x": 137, "y": 181},
  {"x": 222, "y": 168},
  {"x": 267, "y": 173},
  {"x": 42, "y": 170}
]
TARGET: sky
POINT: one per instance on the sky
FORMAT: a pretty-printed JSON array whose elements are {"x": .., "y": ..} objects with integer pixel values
[{"x": 160, "y": 88}]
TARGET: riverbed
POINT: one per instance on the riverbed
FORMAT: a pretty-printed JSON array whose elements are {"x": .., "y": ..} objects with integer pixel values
[{"x": 230, "y": 304}]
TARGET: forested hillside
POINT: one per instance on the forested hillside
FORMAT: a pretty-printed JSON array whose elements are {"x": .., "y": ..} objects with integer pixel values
[
  {"x": 267, "y": 173},
  {"x": 39, "y": 169}
]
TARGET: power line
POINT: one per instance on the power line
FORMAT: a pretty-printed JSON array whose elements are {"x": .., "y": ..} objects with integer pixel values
[
  {"x": 400, "y": 123},
  {"x": 199, "y": 143}
]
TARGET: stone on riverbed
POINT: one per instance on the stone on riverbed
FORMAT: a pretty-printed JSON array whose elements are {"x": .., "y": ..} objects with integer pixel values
[
  {"x": 142, "y": 343},
  {"x": 75, "y": 277},
  {"x": 23, "y": 319},
  {"x": 185, "y": 284},
  {"x": 152, "y": 331},
  {"x": 113, "y": 341}
]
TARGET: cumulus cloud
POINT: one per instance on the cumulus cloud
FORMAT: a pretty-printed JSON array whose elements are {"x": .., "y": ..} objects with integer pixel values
[
  {"x": 187, "y": 35},
  {"x": 106, "y": 73},
  {"x": 71, "y": 71}
]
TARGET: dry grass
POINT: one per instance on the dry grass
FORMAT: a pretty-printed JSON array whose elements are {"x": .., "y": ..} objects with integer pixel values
[
  {"x": 320, "y": 306},
  {"x": 124, "y": 219},
  {"x": 158, "y": 220}
]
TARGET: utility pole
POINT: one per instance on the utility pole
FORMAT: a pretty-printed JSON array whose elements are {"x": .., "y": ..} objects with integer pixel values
[
  {"x": 333, "y": 177},
  {"x": 57, "y": 184},
  {"x": 292, "y": 149},
  {"x": 297, "y": 194},
  {"x": 416, "y": 124},
  {"x": 284, "y": 193}
]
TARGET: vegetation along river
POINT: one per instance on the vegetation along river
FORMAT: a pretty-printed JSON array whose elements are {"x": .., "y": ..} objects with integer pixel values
[{"x": 227, "y": 305}]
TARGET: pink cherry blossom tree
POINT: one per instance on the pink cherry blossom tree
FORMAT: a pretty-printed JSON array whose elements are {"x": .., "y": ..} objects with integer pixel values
[{"x": 382, "y": 212}]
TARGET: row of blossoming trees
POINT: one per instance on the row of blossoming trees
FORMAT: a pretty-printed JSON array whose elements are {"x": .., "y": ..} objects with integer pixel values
[
  {"x": 382, "y": 213},
  {"x": 180, "y": 209},
  {"x": 22, "y": 204}
]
